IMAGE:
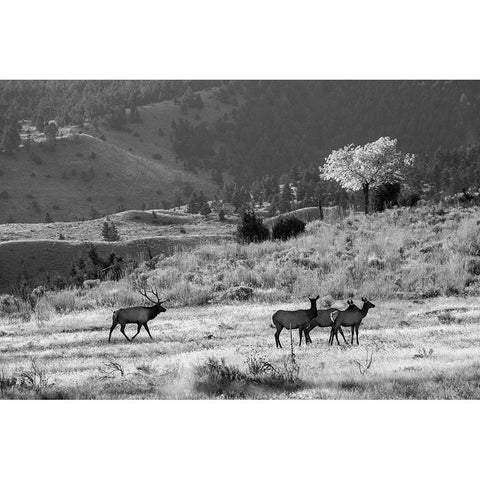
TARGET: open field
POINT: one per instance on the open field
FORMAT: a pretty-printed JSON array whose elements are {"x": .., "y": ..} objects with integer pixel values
[
  {"x": 421, "y": 267},
  {"x": 421, "y": 349}
]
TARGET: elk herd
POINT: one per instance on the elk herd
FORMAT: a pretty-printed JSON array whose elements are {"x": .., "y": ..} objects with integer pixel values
[
  {"x": 307, "y": 320},
  {"x": 304, "y": 320}
]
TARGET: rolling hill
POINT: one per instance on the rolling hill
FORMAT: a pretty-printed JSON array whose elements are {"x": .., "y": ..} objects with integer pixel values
[
  {"x": 87, "y": 176},
  {"x": 34, "y": 251}
]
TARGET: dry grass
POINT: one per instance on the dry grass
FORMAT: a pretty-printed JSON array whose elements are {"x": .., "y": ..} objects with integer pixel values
[
  {"x": 400, "y": 253},
  {"x": 37, "y": 259},
  {"x": 417, "y": 343},
  {"x": 72, "y": 352}
]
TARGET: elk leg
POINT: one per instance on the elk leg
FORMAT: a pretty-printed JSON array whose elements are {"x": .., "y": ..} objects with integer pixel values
[
  {"x": 336, "y": 335},
  {"x": 356, "y": 330},
  {"x": 112, "y": 328},
  {"x": 307, "y": 336},
  {"x": 330, "y": 338},
  {"x": 277, "y": 337},
  {"x": 145, "y": 326},
  {"x": 300, "y": 331},
  {"x": 122, "y": 329},
  {"x": 341, "y": 332},
  {"x": 353, "y": 328},
  {"x": 138, "y": 331}
]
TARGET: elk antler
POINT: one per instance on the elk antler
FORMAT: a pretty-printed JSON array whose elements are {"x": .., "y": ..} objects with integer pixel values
[{"x": 143, "y": 291}]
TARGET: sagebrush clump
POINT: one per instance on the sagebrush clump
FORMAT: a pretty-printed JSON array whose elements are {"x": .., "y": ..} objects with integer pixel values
[{"x": 287, "y": 227}]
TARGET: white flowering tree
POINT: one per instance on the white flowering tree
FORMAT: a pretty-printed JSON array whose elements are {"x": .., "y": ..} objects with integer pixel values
[{"x": 366, "y": 167}]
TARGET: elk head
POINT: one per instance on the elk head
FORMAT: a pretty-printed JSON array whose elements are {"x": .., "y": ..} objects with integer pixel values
[
  {"x": 153, "y": 291},
  {"x": 367, "y": 304}
]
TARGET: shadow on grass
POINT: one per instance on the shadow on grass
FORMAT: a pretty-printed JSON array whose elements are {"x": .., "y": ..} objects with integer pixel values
[{"x": 458, "y": 384}]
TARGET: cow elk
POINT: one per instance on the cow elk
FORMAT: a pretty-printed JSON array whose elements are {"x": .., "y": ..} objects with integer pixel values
[
  {"x": 323, "y": 319},
  {"x": 351, "y": 317},
  {"x": 294, "y": 319},
  {"x": 138, "y": 315}
]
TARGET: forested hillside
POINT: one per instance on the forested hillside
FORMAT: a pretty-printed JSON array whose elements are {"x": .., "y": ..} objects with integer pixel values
[
  {"x": 281, "y": 131},
  {"x": 262, "y": 134},
  {"x": 282, "y": 123},
  {"x": 77, "y": 101}
]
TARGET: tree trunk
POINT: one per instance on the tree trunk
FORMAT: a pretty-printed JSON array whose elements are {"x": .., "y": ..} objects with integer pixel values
[
  {"x": 320, "y": 208},
  {"x": 365, "y": 195}
]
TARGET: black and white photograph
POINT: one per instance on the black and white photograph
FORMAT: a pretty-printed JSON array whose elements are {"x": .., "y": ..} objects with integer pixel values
[{"x": 239, "y": 240}]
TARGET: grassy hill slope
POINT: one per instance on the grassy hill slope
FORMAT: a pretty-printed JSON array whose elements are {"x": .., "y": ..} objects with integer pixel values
[
  {"x": 153, "y": 134},
  {"x": 85, "y": 176},
  {"x": 34, "y": 251}
]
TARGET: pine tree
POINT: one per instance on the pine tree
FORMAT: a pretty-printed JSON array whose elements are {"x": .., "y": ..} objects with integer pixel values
[
  {"x": 110, "y": 232},
  {"x": 51, "y": 131},
  {"x": 10, "y": 137},
  {"x": 205, "y": 209},
  {"x": 217, "y": 177},
  {"x": 252, "y": 228},
  {"x": 286, "y": 197},
  {"x": 273, "y": 208},
  {"x": 301, "y": 195},
  {"x": 256, "y": 192},
  {"x": 39, "y": 123},
  {"x": 117, "y": 118},
  {"x": 295, "y": 174},
  {"x": 194, "y": 204},
  {"x": 177, "y": 199},
  {"x": 228, "y": 192}
]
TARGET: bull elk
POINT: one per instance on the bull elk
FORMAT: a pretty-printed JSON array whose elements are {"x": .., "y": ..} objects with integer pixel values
[
  {"x": 323, "y": 319},
  {"x": 138, "y": 315},
  {"x": 351, "y": 317},
  {"x": 293, "y": 319}
]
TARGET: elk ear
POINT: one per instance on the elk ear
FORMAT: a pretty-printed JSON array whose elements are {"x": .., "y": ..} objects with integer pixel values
[{"x": 317, "y": 297}]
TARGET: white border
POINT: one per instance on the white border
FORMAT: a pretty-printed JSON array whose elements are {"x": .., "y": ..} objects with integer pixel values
[
  {"x": 252, "y": 39},
  {"x": 217, "y": 39},
  {"x": 238, "y": 440}
]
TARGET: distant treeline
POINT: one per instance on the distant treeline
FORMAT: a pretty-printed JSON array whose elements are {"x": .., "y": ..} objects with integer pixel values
[
  {"x": 281, "y": 125},
  {"x": 75, "y": 101}
]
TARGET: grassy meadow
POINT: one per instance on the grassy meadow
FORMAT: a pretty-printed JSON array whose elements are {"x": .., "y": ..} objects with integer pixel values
[
  {"x": 426, "y": 349},
  {"x": 421, "y": 267}
]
